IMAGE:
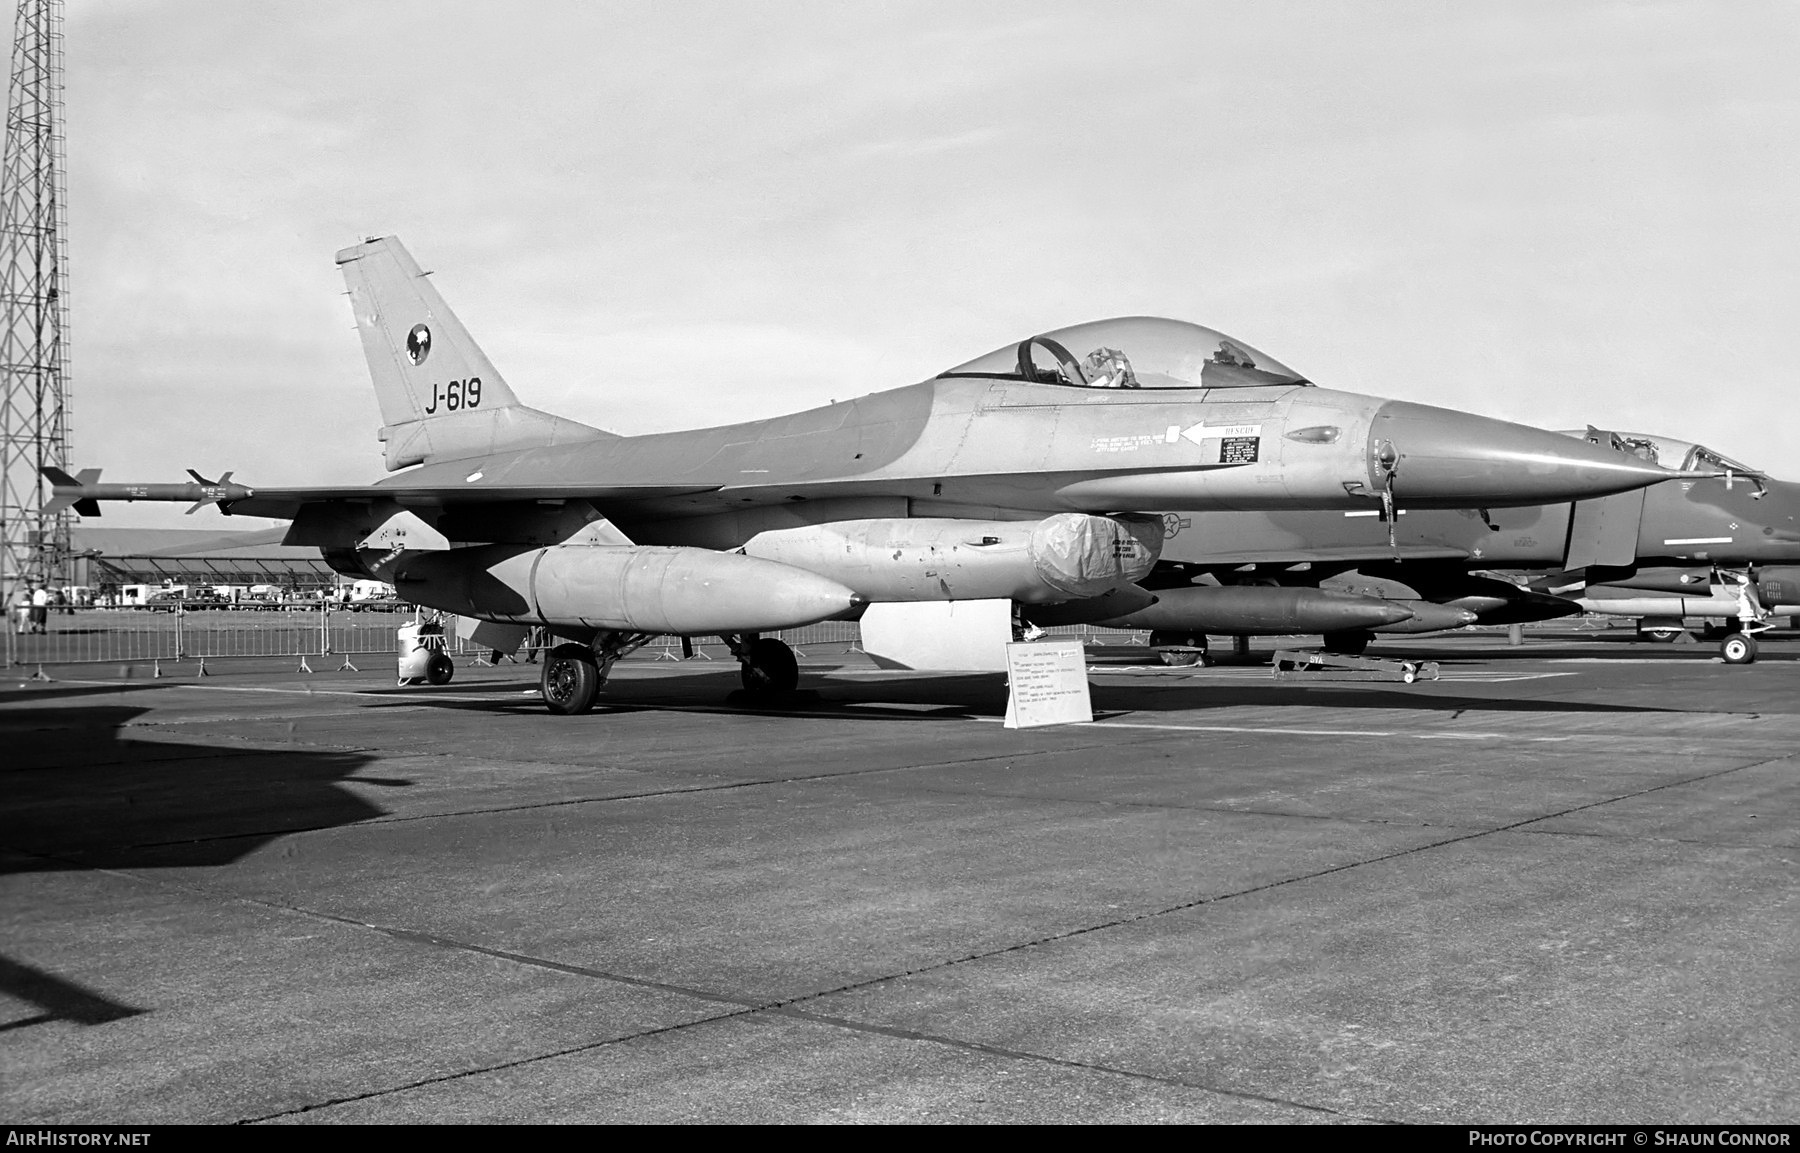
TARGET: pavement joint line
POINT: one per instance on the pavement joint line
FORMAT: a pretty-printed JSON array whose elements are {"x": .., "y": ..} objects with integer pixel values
[
  {"x": 788, "y": 1005},
  {"x": 724, "y": 786},
  {"x": 1063, "y": 1062},
  {"x": 501, "y": 1067},
  {"x": 743, "y": 1007}
]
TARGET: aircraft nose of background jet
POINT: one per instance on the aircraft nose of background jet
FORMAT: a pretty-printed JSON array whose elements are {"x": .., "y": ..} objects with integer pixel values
[{"x": 1445, "y": 459}]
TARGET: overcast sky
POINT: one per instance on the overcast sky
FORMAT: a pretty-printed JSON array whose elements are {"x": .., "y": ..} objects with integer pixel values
[{"x": 663, "y": 215}]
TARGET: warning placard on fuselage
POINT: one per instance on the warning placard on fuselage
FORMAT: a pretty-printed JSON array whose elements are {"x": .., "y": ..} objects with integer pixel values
[{"x": 1239, "y": 449}]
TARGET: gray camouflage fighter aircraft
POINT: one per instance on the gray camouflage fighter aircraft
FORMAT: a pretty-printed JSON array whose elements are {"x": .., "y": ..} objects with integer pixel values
[
  {"x": 928, "y": 512},
  {"x": 1261, "y": 573}
]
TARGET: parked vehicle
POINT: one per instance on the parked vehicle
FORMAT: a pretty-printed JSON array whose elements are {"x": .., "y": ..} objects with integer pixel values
[{"x": 263, "y": 597}]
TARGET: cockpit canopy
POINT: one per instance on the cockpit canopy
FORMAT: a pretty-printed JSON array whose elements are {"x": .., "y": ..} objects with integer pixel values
[
  {"x": 1132, "y": 352},
  {"x": 1677, "y": 454}
]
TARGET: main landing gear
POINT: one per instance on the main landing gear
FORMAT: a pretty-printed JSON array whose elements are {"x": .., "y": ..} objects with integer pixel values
[
  {"x": 574, "y": 672},
  {"x": 767, "y": 666}
]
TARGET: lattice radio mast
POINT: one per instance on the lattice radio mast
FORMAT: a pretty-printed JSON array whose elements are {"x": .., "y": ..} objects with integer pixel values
[{"x": 34, "y": 411}]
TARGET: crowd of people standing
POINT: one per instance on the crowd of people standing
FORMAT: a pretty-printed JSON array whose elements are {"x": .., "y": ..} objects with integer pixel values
[{"x": 31, "y": 608}]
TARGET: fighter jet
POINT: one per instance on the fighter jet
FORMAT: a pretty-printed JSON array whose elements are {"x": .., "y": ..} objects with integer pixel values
[
  {"x": 1336, "y": 573},
  {"x": 927, "y": 511},
  {"x": 1736, "y": 603}
]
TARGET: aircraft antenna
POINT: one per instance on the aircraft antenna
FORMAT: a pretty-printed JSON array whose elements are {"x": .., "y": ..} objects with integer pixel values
[{"x": 34, "y": 411}]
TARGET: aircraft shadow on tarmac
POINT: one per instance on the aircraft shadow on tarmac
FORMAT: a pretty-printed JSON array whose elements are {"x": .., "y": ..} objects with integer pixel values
[
  {"x": 82, "y": 794},
  {"x": 55, "y": 999}
]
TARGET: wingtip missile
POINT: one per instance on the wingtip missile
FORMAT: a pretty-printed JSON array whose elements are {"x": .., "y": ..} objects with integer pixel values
[
  {"x": 83, "y": 491},
  {"x": 215, "y": 490}
]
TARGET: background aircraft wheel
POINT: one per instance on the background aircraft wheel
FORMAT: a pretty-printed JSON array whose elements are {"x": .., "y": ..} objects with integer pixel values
[
  {"x": 1350, "y": 644},
  {"x": 1179, "y": 648},
  {"x": 439, "y": 669},
  {"x": 771, "y": 670},
  {"x": 570, "y": 680},
  {"x": 1738, "y": 649},
  {"x": 1408, "y": 673}
]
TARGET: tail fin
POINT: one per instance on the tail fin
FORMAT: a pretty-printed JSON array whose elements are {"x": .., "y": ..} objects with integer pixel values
[
  {"x": 441, "y": 398},
  {"x": 83, "y": 506}
]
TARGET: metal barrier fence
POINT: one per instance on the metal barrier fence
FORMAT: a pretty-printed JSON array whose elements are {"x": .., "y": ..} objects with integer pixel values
[
  {"x": 317, "y": 635},
  {"x": 205, "y": 631}
]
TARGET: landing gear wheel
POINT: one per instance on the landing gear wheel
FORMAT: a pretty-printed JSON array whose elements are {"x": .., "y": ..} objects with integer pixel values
[
  {"x": 439, "y": 669},
  {"x": 570, "y": 680},
  {"x": 1738, "y": 649},
  {"x": 769, "y": 669},
  {"x": 1409, "y": 673},
  {"x": 1663, "y": 636},
  {"x": 1179, "y": 648},
  {"x": 1350, "y": 643}
]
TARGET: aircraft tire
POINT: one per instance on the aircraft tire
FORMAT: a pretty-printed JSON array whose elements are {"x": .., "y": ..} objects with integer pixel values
[
  {"x": 570, "y": 680},
  {"x": 1350, "y": 643},
  {"x": 771, "y": 670},
  {"x": 439, "y": 669},
  {"x": 1662, "y": 636},
  {"x": 1179, "y": 648},
  {"x": 1738, "y": 649}
]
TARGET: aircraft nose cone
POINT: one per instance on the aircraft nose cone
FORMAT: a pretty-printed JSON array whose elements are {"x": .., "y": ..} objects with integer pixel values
[{"x": 1447, "y": 459}]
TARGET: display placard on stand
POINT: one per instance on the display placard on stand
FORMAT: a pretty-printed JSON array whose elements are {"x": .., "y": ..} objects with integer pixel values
[{"x": 1048, "y": 685}]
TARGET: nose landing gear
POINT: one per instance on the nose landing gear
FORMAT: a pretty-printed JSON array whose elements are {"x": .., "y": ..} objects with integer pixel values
[{"x": 1738, "y": 649}]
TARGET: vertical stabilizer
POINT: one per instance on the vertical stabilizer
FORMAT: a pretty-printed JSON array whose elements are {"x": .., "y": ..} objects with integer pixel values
[{"x": 441, "y": 398}]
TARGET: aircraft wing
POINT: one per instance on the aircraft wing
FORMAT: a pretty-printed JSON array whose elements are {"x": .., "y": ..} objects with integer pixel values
[{"x": 85, "y": 491}]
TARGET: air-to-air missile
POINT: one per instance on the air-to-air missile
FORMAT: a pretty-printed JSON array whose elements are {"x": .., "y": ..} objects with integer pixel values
[
  {"x": 1734, "y": 603},
  {"x": 1014, "y": 477},
  {"x": 1430, "y": 561}
]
